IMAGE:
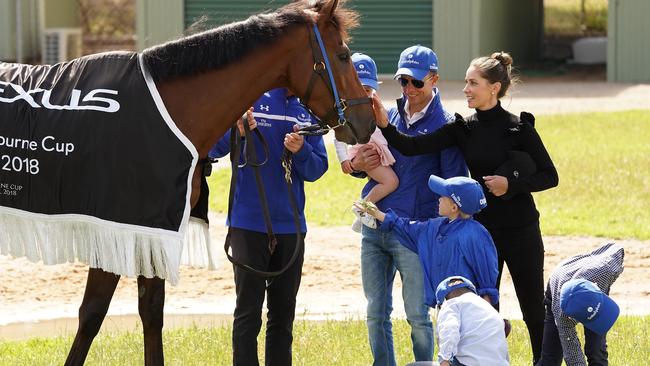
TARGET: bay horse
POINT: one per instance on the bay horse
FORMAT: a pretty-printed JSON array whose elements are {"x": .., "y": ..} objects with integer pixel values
[{"x": 206, "y": 81}]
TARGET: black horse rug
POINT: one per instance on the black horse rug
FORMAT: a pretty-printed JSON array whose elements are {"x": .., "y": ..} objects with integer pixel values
[{"x": 92, "y": 167}]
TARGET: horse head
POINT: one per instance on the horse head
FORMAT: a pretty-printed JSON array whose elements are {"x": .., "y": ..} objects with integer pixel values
[{"x": 333, "y": 92}]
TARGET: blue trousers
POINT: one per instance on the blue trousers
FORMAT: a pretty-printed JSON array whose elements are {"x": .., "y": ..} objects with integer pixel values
[{"x": 381, "y": 257}]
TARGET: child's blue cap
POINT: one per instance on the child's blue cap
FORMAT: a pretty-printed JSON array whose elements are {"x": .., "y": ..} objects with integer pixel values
[
  {"x": 366, "y": 70},
  {"x": 466, "y": 193},
  {"x": 450, "y": 284},
  {"x": 417, "y": 61},
  {"x": 583, "y": 301}
]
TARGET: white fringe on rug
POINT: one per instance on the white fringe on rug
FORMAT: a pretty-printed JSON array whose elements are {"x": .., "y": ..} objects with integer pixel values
[
  {"x": 126, "y": 250},
  {"x": 198, "y": 250}
]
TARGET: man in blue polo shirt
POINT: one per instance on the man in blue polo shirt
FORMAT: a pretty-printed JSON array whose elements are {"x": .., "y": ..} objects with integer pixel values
[
  {"x": 276, "y": 114},
  {"x": 419, "y": 111}
]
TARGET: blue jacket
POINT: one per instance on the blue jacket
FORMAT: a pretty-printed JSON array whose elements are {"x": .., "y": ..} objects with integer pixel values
[
  {"x": 413, "y": 198},
  {"x": 275, "y": 115},
  {"x": 462, "y": 247}
]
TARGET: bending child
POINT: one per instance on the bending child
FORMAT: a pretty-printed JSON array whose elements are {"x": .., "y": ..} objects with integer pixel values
[
  {"x": 578, "y": 292},
  {"x": 384, "y": 175}
]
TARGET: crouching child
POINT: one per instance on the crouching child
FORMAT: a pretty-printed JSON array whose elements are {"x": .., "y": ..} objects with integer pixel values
[{"x": 470, "y": 331}]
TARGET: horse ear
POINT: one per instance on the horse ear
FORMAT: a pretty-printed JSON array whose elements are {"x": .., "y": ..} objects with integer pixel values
[{"x": 329, "y": 8}]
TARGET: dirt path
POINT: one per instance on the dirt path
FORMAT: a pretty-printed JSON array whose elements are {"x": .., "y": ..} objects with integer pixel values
[{"x": 331, "y": 285}]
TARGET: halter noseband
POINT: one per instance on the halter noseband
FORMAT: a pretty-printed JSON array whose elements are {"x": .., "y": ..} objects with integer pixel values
[{"x": 322, "y": 64}]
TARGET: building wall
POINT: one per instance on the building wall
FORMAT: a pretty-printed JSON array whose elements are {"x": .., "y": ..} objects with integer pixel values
[
  {"x": 628, "y": 41},
  {"x": 513, "y": 26},
  {"x": 387, "y": 26},
  {"x": 8, "y": 30},
  {"x": 461, "y": 30},
  {"x": 29, "y": 34},
  {"x": 455, "y": 36},
  {"x": 60, "y": 14},
  {"x": 465, "y": 29},
  {"x": 158, "y": 21}
]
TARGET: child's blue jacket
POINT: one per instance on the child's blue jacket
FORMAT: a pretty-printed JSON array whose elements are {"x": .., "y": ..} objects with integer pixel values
[{"x": 462, "y": 247}]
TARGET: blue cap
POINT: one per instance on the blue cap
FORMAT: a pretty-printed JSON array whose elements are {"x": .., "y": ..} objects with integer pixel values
[
  {"x": 450, "y": 284},
  {"x": 417, "y": 61},
  {"x": 366, "y": 70},
  {"x": 583, "y": 301},
  {"x": 466, "y": 193}
]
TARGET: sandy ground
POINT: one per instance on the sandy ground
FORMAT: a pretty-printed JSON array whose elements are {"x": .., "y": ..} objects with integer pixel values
[
  {"x": 32, "y": 293},
  {"x": 331, "y": 285}
]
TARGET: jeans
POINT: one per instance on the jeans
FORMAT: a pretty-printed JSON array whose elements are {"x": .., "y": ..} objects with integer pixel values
[
  {"x": 381, "y": 256},
  {"x": 552, "y": 354},
  {"x": 251, "y": 248}
]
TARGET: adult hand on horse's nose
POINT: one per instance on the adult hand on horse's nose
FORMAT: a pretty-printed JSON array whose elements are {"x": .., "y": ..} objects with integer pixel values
[
  {"x": 381, "y": 116},
  {"x": 366, "y": 159}
]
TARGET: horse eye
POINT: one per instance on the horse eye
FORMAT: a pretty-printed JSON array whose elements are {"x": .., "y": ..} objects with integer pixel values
[{"x": 345, "y": 57}]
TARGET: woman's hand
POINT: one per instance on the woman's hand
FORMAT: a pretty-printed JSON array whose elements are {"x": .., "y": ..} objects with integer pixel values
[
  {"x": 496, "y": 184},
  {"x": 381, "y": 116},
  {"x": 252, "y": 124}
]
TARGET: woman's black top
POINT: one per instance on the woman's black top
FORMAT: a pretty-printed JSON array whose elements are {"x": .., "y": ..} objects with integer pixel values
[{"x": 485, "y": 139}]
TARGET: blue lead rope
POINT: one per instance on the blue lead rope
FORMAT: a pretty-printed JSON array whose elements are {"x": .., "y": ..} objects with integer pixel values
[{"x": 339, "y": 109}]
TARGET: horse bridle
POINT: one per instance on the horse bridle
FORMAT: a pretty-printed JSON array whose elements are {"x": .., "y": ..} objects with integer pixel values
[{"x": 322, "y": 65}]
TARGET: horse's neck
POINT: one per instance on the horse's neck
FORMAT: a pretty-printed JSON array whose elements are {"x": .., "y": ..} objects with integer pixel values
[{"x": 205, "y": 106}]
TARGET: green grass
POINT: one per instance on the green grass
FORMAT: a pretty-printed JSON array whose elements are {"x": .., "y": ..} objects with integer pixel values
[
  {"x": 603, "y": 161},
  {"x": 562, "y": 17},
  {"x": 315, "y": 343}
]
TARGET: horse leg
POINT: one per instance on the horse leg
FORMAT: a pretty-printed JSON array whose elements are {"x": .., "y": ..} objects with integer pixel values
[
  {"x": 151, "y": 299},
  {"x": 100, "y": 287}
]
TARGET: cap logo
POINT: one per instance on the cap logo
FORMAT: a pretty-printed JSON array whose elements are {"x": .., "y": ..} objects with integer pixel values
[
  {"x": 456, "y": 199},
  {"x": 593, "y": 311},
  {"x": 410, "y": 55},
  {"x": 482, "y": 201},
  {"x": 362, "y": 66}
]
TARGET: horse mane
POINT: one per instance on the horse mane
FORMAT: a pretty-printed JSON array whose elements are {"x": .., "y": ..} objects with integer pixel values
[{"x": 221, "y": 46}]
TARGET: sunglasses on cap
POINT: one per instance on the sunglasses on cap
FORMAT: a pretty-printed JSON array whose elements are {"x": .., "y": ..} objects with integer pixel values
[{"x": 418, "y": 84}]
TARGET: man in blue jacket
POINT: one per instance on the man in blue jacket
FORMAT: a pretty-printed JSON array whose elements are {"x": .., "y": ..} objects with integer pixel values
[
  {"x": 276, "y": 114},
  {"x": 419, "y": 111}
]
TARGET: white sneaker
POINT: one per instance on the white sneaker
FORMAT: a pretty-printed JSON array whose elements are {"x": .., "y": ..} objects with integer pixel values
[
  {"x": 368, "y": 220},
  {"x": 356, "y": 225}
]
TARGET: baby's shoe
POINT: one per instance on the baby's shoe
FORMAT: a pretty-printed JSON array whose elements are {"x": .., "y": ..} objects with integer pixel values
[
  {"x": 356, "y": 225},
  {"x": 368, "y": 220}
]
